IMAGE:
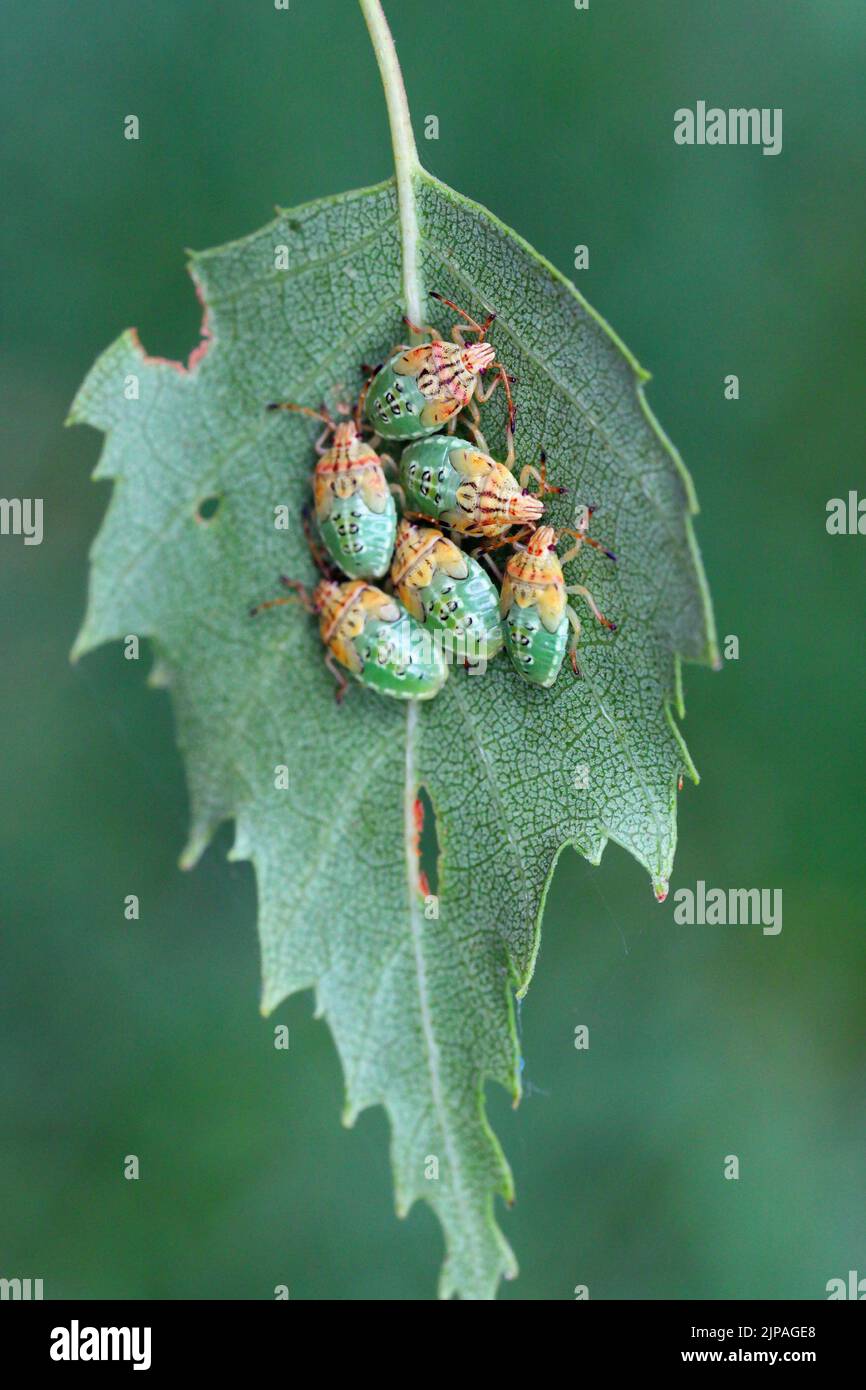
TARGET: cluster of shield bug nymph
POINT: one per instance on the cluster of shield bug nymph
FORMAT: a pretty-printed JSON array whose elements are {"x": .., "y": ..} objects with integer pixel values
[{"x": 441, "y": 604}]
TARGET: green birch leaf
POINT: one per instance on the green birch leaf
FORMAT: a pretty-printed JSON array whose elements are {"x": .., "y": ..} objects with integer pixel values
[{"x": 420, "y": 1005}]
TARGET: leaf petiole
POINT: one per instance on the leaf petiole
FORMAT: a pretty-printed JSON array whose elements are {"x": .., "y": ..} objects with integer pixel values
[{"x": 406, "y": 162}]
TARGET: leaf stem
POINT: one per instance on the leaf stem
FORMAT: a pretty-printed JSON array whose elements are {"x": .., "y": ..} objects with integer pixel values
[{"x": 406, "y": 162}]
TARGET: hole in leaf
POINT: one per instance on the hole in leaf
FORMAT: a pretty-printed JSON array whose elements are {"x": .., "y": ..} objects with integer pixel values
[
  {"x": 208, "y": 508},
  {"x": 428, "y": 843}
]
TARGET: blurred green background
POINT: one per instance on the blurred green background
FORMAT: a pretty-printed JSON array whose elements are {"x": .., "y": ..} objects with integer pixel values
[{"x": 145, "y": 1037}]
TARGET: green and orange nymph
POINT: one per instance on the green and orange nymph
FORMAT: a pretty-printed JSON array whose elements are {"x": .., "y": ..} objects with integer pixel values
[
  {"x": 421, "y": 389},
  {"x": 448, "y": 592},
  {"x": 455, "y": 482},
  {"x": 534, "y": 607},
  {"x": 355, "y": 512},
  {"x": 370, "y": 635}
]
